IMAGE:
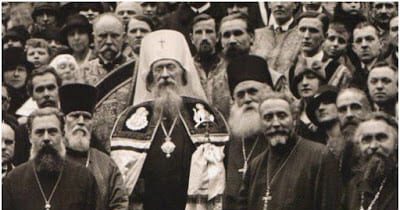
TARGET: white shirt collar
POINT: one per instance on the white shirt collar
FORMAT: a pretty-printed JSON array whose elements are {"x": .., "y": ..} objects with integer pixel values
[
  {"x": 275, "y": 25},
  {"x": 319, "y": 9},
  {"x": 201, "y": 9}
]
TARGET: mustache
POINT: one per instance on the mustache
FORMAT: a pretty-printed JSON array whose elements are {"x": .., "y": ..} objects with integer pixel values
[
  {"x": 108, "y": 47},
  {"x": 281, "y": 132},
  {"x": 80, "y": 128},
  {"x": 50, "y": 103}
]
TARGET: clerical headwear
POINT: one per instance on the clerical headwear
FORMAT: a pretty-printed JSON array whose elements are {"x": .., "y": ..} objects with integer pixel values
[
  {"x": 248, "y": 67},
  {"x": 77, "y": 97},
  {"x": 166, "y": 44}
]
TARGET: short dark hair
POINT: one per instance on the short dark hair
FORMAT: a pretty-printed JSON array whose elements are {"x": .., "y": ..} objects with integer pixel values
[
  {"x": 39, "y": 72},
  {"x": 144, "y": 19},
  {"x": 380, "y": 116},
  {"x": 321, "y": 17},
  {"x": 340, "y": 28},
  {"x": 45, "y": 112},
  {"x": 202, "y": 17},
  {"x": 240, "y": 16}
]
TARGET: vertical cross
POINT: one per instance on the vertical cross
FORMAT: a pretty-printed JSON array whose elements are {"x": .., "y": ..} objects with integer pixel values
[
  {"x": 162, "y": 43},
  {"x": 267, "y": 198}
]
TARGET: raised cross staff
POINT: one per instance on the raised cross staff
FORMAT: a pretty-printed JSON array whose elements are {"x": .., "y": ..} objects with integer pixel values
[
  {"x": 266, "y": 199},
  {"x": 162, "y": 43}
]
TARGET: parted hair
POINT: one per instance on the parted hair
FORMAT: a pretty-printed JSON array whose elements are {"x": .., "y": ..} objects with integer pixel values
[
  {"x": 250, "y": 26},
  {"x": 39, "y": 72},
  {"x": 321, "y": 17}
]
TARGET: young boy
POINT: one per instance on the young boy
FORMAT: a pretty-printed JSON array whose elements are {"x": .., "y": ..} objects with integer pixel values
[{"x": 38, "y": 52}]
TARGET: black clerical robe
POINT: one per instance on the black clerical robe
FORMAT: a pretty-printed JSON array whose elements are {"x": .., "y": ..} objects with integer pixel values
[
  {"x": 309, "y": 180},
  {"x": 235, "y": 165},
  {"x": 160, "y": 182},
  {"x": 387, "y": 200},
  {"x": 77, "y": 189}
]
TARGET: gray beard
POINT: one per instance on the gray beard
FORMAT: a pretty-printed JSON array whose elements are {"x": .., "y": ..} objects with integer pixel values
[
  {"x": 168, "y": 102},
  {"x": 243, "y": 123},
  {"x": 78, "y": 142}
]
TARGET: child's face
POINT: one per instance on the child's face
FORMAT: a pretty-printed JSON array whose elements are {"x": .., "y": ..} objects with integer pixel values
[
  {"x": 335, "y": 44},
  {"x": 38, "y": 56}
]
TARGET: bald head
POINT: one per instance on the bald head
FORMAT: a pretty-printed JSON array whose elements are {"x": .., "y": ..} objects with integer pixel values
[
  {"x": 127, "y": 9},
  {"x": 107, "y": 20}
]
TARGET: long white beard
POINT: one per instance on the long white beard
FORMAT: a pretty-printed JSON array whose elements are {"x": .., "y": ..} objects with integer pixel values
[
  {"x": 78, "y": 138},
  {"x": 168, "y": 101},
  {"x": 244, "y": 123}
]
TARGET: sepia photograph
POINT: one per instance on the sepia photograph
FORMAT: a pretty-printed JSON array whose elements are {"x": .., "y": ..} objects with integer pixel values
[{"x": 199, "y": 105}]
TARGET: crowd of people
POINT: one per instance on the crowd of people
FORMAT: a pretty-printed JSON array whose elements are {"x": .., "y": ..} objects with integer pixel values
[{"x": 199, "y": 105}]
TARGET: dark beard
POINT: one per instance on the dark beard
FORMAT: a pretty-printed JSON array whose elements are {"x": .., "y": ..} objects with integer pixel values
[
  {"x": 327, "y": 125},
  {"x": 235, "y": 52},
  {"x": 375, "y": 167},
  {"x": 48, "y": 160}
]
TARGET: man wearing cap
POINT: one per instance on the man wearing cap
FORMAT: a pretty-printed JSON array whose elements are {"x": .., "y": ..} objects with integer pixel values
[
  {"x": 249, "y": 83},
  {"x": 376, "y": 180},
  {"x": 169, "y": 144},
  {"x": 77, "y": 102},
  {"x": 15, "y": 37},
  {"x": 48, "y": 181},
  {"x": 109, "y": 36},
  {"x": 382, "y": 87},
  {"x": 77, "y": 34},
  {"x": 293, "y": 173}
]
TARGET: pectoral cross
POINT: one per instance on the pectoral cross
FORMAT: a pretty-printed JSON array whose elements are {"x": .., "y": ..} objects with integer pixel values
[
  {"x": 47, "y": 206},
  {"x": 267, "y": 198}
]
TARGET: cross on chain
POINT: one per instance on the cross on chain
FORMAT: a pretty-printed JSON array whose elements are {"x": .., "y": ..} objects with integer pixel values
[{"x": 266, "y": 199}]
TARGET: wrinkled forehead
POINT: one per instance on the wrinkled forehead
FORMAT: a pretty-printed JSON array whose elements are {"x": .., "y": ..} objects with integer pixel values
[
  {"x": 248, "y": 84},
  {"x": 45, "y": 122},
  {"x": 374, "y": 127},
  {"x": 165, "y": 62},
  {"x": 349, "y": 97},
  {"x": 274, "y": 105},
  {"x": 108, "y": 23}
]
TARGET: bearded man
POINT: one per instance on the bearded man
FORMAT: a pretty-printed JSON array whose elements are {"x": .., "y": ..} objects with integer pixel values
[
  {"x": 169, "y": 144},
  {"x": 77, "y": 102},
  {"x": 249, "y": 82},
  {"x": 48, "y": 181},
  {"x": 293, "y": 173},
  {"x": 375, "y": 185}
]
